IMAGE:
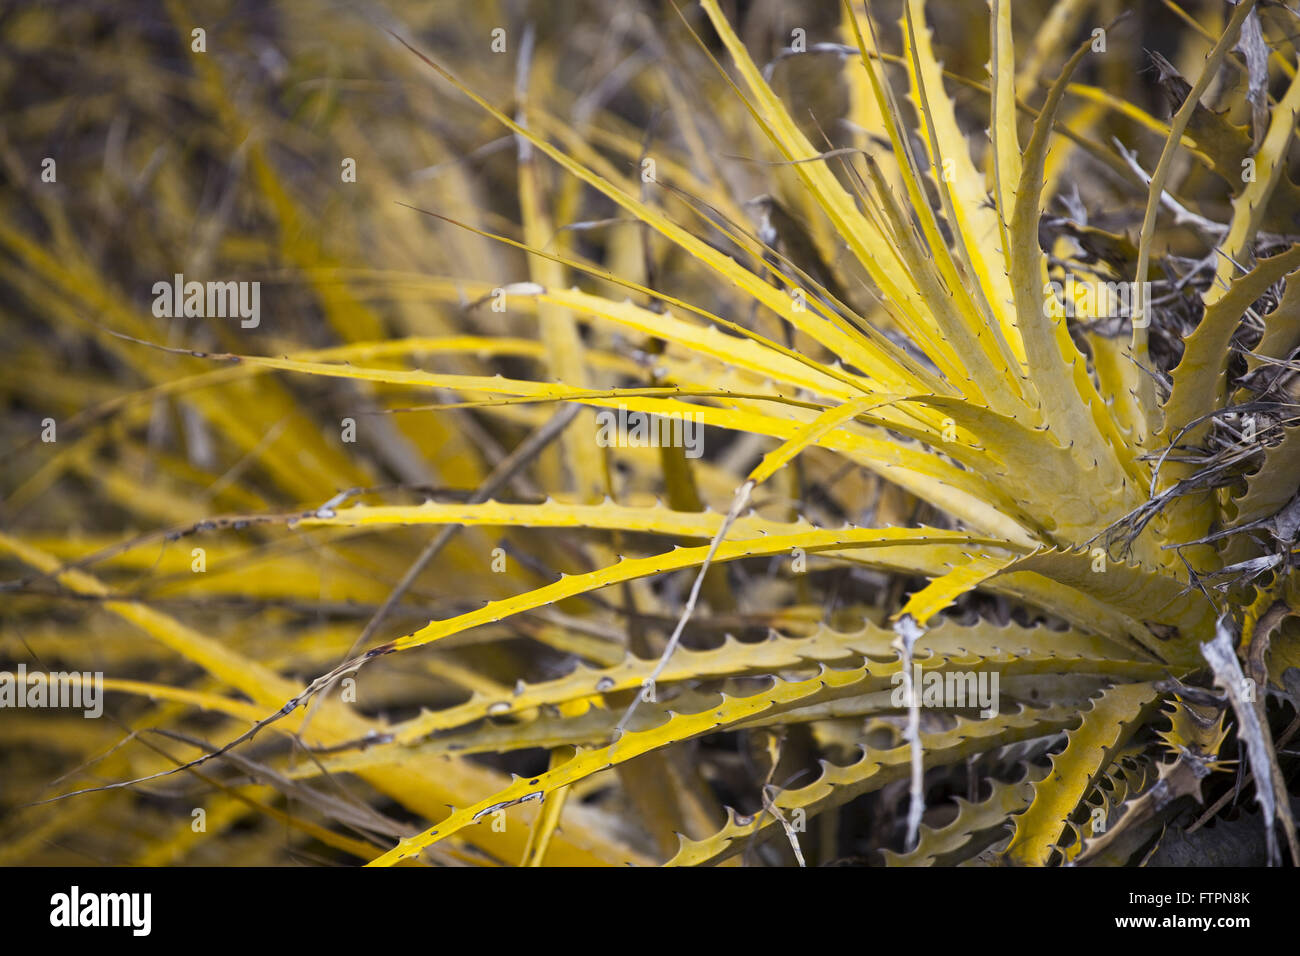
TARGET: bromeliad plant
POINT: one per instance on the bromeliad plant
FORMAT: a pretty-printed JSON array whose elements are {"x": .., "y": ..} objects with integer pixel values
[{"x": 1094, "y": 508}]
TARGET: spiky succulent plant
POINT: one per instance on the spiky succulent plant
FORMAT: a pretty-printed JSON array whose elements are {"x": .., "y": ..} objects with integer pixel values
[{"x": 994, "y": 526}]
